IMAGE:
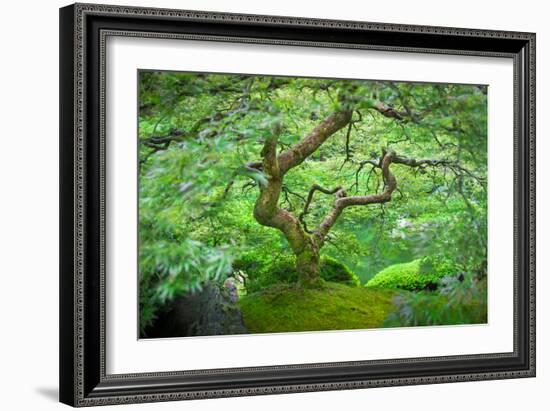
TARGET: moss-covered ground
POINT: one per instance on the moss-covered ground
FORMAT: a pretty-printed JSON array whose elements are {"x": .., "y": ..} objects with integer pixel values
[{"x": 330, "y": 306}]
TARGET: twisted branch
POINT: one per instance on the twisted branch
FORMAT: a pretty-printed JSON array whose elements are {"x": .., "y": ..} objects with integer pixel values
[
  {"x": 312, "y": 190},
  {"x": 342, "y": 200}
]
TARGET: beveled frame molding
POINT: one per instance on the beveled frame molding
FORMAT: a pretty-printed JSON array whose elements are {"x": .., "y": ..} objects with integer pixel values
[{"x": 84, "y": 29}]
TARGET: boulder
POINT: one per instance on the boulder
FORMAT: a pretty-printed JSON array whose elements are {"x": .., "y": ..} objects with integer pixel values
[{"x": 211, "y": 311}]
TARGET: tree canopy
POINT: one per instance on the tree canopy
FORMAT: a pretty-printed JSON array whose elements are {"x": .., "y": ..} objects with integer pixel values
[{"x": 379, "y": 172}]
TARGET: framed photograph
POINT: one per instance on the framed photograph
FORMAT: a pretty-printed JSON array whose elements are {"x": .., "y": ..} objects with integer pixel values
[{"x": 261, "y": 204}]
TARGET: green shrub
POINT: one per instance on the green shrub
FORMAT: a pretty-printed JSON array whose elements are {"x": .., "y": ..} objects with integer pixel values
[
  {"x": 335, "y": 271},
  {"x": 262, "y": 274},
  {"x": 416, "y": 275},
  {"x": 283, "y": 270}
]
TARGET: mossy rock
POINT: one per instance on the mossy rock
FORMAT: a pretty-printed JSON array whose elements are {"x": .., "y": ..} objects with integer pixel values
[
  {"x": 331, "y": 306},
  {"x": 420, "y": 274},
  {"x": 283, "y": 270}
]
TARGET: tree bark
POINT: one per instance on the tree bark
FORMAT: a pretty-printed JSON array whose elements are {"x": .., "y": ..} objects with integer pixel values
[
  {"x": 307, "y": 264},
  {"x": 266, "y": 210},
  {"x": 308, "y": 145}
]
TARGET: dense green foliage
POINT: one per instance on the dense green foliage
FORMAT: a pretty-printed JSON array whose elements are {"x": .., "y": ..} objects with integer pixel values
[
  {"x": 416, "y": 275},
  {"x": 332, "y": 270},
  {"x": 267, "y": 272},
  {"x": 196, "y": 196},
  {"x": 457, "y": 302},
  {"x": 331, "y": 307}
]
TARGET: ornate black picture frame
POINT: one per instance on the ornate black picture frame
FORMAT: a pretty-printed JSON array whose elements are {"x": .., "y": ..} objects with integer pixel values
[{"x": 83, "y": 30}]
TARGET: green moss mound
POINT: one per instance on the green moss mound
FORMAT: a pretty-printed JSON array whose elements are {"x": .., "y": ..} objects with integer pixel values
[
  {"x": 264, "y": 274},
  {"x": 331, "y": 306},
  {"x": 416, "y": 275}
]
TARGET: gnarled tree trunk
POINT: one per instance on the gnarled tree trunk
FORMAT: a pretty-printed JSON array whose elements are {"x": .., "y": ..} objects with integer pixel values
[
  {"x": 307, "y": 264},
  {"x": 306, "y": 244}
]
